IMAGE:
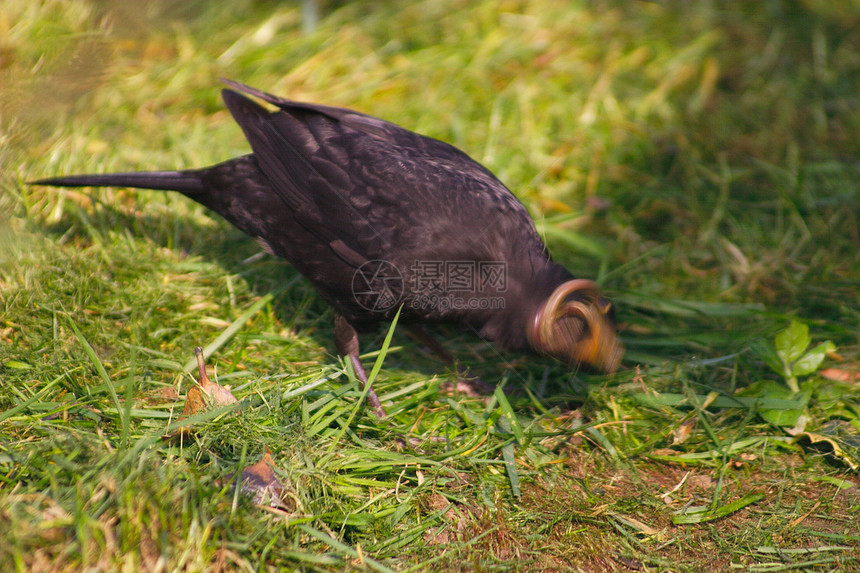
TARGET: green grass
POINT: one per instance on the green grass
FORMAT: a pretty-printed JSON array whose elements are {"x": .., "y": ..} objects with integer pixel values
[{"x": 699, "y": 159}]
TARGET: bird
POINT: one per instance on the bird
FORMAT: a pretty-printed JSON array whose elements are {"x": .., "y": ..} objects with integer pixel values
[{"x": 382, "y": 220}]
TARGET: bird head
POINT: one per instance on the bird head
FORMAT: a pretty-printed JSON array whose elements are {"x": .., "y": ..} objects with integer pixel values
[{"x": 575, "y": 325}]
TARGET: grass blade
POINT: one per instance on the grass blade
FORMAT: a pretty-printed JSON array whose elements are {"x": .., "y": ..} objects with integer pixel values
[
  {"x": 229, "y": 332},
  {"x": 717, "y": 513},
  {"x": 100, "y": 369},
  {"x": 344, "y": 548}
]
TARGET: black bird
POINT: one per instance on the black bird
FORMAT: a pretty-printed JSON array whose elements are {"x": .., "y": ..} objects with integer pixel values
[{"x": 379, "y": 218}]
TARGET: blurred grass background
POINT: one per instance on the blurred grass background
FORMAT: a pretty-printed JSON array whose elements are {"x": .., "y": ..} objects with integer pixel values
[{"x": 699, "y": 159}]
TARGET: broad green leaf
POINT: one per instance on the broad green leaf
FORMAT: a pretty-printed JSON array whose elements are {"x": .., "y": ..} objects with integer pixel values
[
  {"x": 810, "y": 361},
  {"x": 783, "y": 418},
  {"x": 791, "y": 342},
  {"x": 768, "y": 390},
  {"x": 767, "y": 352},
  {"x": 836, "y": 400}
]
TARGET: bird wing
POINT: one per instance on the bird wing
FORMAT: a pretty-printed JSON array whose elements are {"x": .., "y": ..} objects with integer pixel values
[
  {"x": 368, "y": 125},
  {"x": 362, "y": 184}
]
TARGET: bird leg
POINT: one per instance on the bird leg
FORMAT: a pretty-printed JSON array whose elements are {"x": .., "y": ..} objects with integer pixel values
[
  {"x": 467, "y": 382},
  {"x": 346, "y": 341}
]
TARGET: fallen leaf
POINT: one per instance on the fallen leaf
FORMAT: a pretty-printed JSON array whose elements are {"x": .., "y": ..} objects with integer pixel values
[
  {"x": 682, "y": 432},
  {"x": 206, "y": 392},
  {"x": 841, "y": 437},
  {"x": 840, "y": 375},
  {"x": 260, "y": 482},
  {"x": 200, "y": 397}
]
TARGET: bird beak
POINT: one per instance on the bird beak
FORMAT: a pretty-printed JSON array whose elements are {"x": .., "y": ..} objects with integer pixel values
[{"x": 577, "y": 330}]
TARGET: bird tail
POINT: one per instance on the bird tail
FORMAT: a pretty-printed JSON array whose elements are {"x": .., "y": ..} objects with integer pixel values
[{"x": 187, "y": 182}]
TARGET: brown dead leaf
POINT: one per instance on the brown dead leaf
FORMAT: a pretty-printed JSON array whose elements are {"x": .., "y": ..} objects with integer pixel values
[
  {"x": 260, "y": 482},
  {"x": 206, "y": 392},
  {"x": 194, "y": 402}
]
